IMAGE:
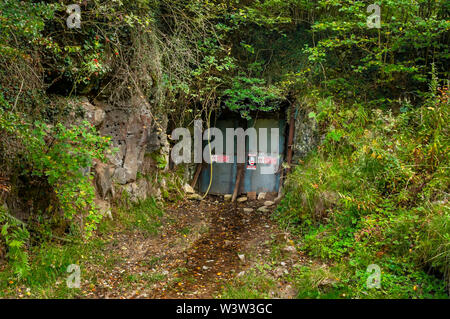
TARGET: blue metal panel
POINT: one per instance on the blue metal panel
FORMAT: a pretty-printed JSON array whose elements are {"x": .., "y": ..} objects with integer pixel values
[
  {"x": 224, "y": 174},
  {"x": 254, "y": 180}
]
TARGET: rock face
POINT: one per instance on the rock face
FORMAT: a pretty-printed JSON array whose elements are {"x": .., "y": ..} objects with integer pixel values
[
  {"x": 93, "y": 114},
  {"x": 134, "y": 138},
  {"x": 103, "y": 179},
  {"x": 306, "y": 136},
  {"x": 129, "y": 131},
  {"x": 137, "y": 139}
]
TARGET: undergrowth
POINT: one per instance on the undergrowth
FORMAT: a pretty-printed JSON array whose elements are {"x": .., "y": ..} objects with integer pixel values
[{"x": 375, "y": 192}]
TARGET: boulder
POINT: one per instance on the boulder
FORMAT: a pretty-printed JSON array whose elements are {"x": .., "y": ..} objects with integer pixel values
[
  {"x": 195, "y": 196},
  {"x": 103, "y": 207},
  {"x": 263, "y": 209},
  {"x": 188, "y": 189},
  {"x": 103, "y": 179},
  {"x": 93, "y": 114},
  {"x": 242, "y": 199},
  {"x": 261, "y": 196}
]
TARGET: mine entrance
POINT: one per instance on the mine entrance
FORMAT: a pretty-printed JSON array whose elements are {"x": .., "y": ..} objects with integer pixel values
[{"x": 257, "y": 177}]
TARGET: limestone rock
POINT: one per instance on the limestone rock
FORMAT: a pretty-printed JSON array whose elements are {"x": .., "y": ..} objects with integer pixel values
[
  {"x": 104, "y": 207},
  {"x": 137, "y": 190},
  {"x": 120, "y": 176},
  {"x": 290, "y": 249},
  {"x": 92, "y": 113},
  {"x": 242, "y": 199},
  {"x": 306, "y": 136},
  {"x": 263, "y": 209},
  {"x": 188, "y": 189},
  {"x": 227, "y": 197},
  {"x": 261, "y": 196},
  {"x": 103, "y": 179},
  {"x": 129, "y": 133},
  {"x": 268, "y": 203},
  {"x": 195, "y": 196},
  {"x": 248, "y": 210}
]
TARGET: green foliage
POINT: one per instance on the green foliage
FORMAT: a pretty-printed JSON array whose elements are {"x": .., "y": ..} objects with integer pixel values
[
  {"x": 255, "y": 284},
  {"x": 250, "y": 94},
  {"x": 376, "y": 190},
  {"x": 159, "y": 159},
  {"x": 15, "y": 236},
  {"x": 376, "y": 193},
  {"x": 145, "y": 216},
  {"x": 392, "y": 58},
  {"x": 63, "y": 157}
]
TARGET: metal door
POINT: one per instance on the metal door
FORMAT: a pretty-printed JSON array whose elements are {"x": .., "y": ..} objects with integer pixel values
[{"x": 224, "y": 174}]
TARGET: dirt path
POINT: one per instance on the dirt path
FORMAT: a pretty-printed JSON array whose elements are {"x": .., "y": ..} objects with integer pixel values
[
  {"x": 214, "y": 257},
  {"x": 202, "y": 246}
]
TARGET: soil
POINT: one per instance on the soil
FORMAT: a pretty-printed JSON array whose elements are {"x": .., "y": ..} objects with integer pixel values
[{"x": 201, "y": 246}]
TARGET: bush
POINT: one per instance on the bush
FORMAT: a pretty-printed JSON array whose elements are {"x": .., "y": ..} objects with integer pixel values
[
  {"x": 378, "y": 194},
  {"x": 57, "y": 156}
]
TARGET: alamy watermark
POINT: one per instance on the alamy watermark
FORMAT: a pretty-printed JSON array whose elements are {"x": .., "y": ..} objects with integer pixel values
[
  {"x": 74, "y": 19},
  {"x": 374, "y": 280},
  {"x": 74, "y": 279},
  {"x": 374, "y": 20}
]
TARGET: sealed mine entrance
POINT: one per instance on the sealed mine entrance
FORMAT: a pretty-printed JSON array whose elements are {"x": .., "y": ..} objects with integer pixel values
[{"x": 257, "y": 177}]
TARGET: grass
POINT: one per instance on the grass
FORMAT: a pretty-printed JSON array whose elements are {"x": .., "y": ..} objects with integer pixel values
[
  {"x": 370, "y": 199},
  {"x": 144, "y": 216},
  {"x": 255, "y": 284},
  {"x": 49, "y": 261},
  {"x": 318, "y": 282}
]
